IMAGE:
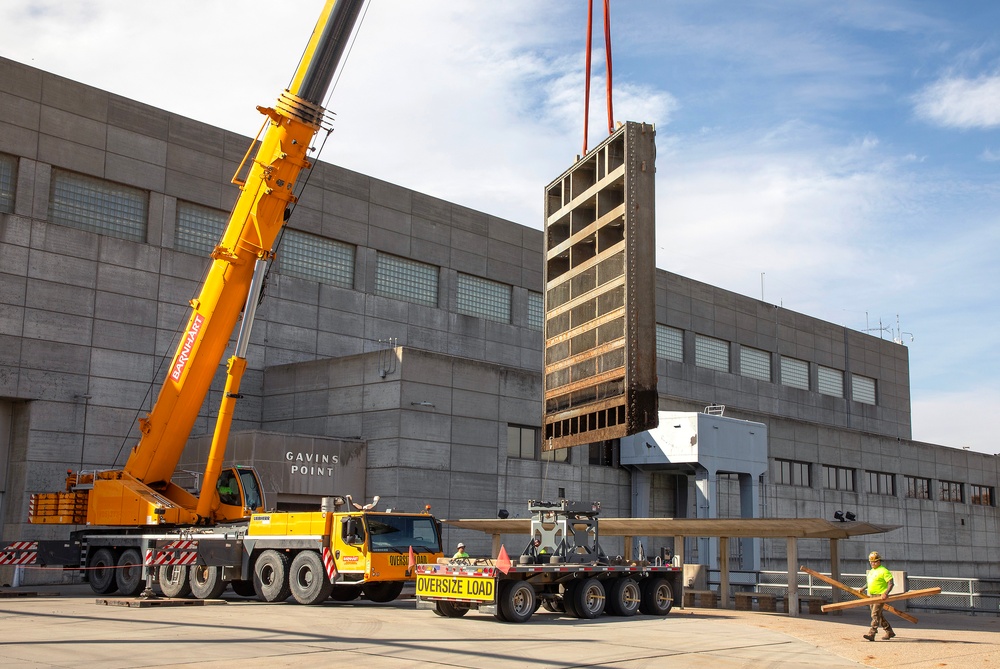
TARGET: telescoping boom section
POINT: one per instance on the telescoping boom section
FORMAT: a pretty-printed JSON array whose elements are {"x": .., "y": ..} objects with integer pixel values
[{"x": 141, "y": 493}]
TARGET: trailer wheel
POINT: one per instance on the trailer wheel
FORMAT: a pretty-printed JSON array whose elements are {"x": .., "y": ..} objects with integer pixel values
[
  {"x": 554, "y": 605},
  {"x": 588, "y": 599},
  {"x": 307, "y": 579},
  {"x": 624, "y": 597},
  {"x": 101, "y": 573},
  {"x": 270, "y": 576},
  {"x": 383, "y": 591},
  {"x": 174, "y": 580},
  {"x": 206, "y": 582},
  {"x": 128, "y": 576},
  {"x": 450, "y": 609},
  {"x": 657, "y": 597},
  {"x": 345, "y": 593},
  {"x": 569, "y": 590},
  {"x": 243, "y": 588},
  {"x": 517, "y": 601}
]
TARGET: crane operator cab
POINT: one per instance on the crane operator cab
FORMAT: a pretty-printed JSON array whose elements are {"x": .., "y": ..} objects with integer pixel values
[{"x": 240, "y": 493}]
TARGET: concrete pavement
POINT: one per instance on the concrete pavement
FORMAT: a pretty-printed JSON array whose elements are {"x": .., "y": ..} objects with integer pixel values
[{"x": 72, "y": 630}]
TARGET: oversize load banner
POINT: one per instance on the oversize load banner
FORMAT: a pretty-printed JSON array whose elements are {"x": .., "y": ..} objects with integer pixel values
[{"x": 457, "y": 587}]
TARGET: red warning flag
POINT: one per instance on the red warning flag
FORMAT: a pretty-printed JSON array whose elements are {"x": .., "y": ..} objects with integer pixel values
[
  {"x": 411, "y": 563},
  {"x": 503, "y": 560}
]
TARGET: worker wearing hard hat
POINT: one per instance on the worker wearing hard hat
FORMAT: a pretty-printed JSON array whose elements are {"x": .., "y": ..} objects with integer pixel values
[
  {"x": 460, "y": 554},
  {"x": 879, "y": 584}
]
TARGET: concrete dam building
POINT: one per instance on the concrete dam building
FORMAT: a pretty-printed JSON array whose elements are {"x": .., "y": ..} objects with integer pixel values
[{"x": 398, "y": 352}]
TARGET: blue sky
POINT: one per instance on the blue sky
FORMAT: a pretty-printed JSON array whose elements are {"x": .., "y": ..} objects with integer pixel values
[{"x": 840, "y": 159}]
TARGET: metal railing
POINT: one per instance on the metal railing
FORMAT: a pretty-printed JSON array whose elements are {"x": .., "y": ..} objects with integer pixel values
[{"x": 968, "y": 595}]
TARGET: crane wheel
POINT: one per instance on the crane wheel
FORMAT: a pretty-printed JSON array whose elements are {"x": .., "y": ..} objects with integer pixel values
[
  {"x": 101, "y": 573},
  {"x": 345, "y": 593},
  {"x": 243, "y": 588},
  {"x": 383, "y": 591},
  {"x": 174, "y": 581},
  {"x": 128, "y": 576},
  {"x": 307, "y": 579},
  {"x": 206, "y": 582},
  {"x": 270, "y": 576}
]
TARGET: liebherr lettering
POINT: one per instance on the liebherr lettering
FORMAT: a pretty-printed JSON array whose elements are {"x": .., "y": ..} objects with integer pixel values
[{"x": 185, "y": 353}]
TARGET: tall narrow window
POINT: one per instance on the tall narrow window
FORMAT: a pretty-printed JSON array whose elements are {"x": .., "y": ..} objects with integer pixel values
[
  {"x": 536, "y": 310},
  {"x": 8, "y": 178},
  {"x": 669, "y": 343},
  {"x": 712, "y": 353},
  {"x": 97, "y": 205},
  {"x": 199, "y": 229},
  {"x": 794, "y": 373},
  {"x": 755, "y": 363},
  {"x": 406, "y": 279},
  {"x": 318, "y": 258},
  {"x": 482, "y": 297}
]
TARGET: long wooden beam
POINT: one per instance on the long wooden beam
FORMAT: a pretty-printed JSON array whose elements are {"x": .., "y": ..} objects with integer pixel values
[
  {"x": 871, "y": 600},
  {"x": 856, "y": 593}
]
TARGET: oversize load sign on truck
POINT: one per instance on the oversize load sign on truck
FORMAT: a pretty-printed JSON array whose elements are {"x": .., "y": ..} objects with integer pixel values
[{"x": 456, "y": 586}]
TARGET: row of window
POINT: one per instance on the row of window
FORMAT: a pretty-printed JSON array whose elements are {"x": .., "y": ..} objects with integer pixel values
[
  {"x": 755, "y": 363},
  {"x": 795, "y": 473},
  {"x": 108, "y": 208},
  {"x": 525, "y": 443}
]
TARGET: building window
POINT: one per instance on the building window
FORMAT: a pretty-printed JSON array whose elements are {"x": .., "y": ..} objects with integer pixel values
[
  {"x": 862, "y": 389},
  {"x": 602, "y": 453},
  {"x": 669, "y": 343},
  {"x": 838, "y": 478},
  {"x": 199, "y": 229},
  {"x": 950, "y": 491},
  {"x": 795, "y": 373},
  {"x": 536, "y": 310},
  {"x": 97, "y": 205},
  {"x": 317, "y": 258},
  {"x": 482, "y": 297},
  {"x": 406, "y": 279},
  {"x": 792, "y": 472},
  {"x": 981, "y": 495},
  {"x": 918, "y": 488},
  {"x": 8, "y": 178},
  {"x": 830, "y": 381},
  {"x": 755, "y": 363},
  {"x": 881, "y": 483},
  {"x": 711, "y": 353},
  {"x": 523, "y": 443}
]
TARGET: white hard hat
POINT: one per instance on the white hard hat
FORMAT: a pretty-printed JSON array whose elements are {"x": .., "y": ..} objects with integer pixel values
[{"x": 460, "y": 545}]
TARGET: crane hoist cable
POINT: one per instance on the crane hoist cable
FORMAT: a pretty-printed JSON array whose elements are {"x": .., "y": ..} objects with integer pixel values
[{"x": 607, "y": 54}]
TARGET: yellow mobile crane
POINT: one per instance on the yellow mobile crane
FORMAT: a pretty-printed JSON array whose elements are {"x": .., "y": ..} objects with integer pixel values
[{"x": 139, "y": 508}]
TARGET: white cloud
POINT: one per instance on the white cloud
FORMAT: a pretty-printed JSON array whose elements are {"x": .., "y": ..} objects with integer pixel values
[{"x": 959, "y": 102}]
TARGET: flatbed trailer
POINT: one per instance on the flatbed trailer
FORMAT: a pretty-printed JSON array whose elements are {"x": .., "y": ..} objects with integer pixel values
[{"x": 562, "y": 570}]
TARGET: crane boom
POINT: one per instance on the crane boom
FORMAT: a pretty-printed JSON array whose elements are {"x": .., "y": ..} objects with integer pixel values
[{"x": 141, "y": 492}]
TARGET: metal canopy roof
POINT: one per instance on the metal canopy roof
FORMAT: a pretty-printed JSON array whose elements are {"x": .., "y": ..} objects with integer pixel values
[{"x": 802, "y": 528}]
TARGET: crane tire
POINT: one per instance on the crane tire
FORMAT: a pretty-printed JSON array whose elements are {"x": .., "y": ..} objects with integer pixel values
[
  {"x": 383, "y": 591},
  {"x": 270, "y": 576},
  {"x": 206, "y": 582},
  {"x": 345, "y": 593},
  {"x": 101, "y": 571},
  {"x": 307, "y": 579},
  {"x": 128, "y": 575},
  {"x": 243, "y": 588},
  {"x": 174, "y": 581}
]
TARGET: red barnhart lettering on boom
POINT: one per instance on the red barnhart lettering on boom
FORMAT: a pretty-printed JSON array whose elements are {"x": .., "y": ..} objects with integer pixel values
[{"x": 185, "y": 354}]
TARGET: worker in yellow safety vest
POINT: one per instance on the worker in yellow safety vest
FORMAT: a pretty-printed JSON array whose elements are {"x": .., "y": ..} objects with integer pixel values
[{"x": 879, "y": 584}]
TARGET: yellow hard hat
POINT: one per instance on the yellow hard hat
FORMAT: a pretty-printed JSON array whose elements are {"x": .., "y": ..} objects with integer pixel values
[{"x": 874, "y": 557}]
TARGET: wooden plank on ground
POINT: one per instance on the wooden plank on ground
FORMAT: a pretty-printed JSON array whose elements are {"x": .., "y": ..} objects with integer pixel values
[
  {"x": 867, "y": 601},
  {"x": 856, "y": 593}
]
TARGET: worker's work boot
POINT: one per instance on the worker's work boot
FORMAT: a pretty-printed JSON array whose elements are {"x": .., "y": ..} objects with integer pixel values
[
  {"x": 870, "y": 636},
  {"x": 888, "y": 635}
]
